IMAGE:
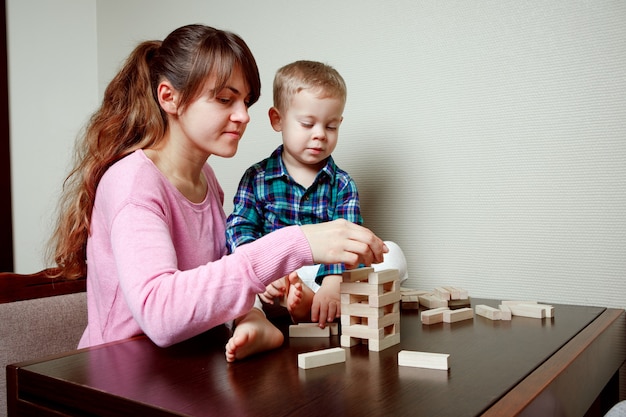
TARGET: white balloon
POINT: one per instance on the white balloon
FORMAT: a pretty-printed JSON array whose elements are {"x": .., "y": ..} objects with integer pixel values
[{"x": 394, "y": 259}]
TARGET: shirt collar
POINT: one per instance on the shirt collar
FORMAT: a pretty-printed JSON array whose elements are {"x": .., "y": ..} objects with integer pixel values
[{"x": 276, "y": 168}]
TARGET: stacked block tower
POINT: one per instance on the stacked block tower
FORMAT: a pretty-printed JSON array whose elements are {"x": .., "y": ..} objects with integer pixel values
[{"x": 370, "y": 308}]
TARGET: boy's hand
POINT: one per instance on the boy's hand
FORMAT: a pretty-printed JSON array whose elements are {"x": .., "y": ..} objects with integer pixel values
[{"x": 326, "y": 305}]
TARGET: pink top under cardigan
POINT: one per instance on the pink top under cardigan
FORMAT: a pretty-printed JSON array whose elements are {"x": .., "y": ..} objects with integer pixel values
[{"x": 156, "y": 261}]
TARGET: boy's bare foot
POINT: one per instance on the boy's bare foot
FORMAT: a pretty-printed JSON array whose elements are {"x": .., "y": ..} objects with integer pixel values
[
  {"x": 253, "y": 333},
  {"x": 299, "y": 299}
]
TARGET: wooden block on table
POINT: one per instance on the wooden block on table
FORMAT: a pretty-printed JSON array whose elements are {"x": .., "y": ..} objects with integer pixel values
[
  {"x": 506, "y": 312},
  {"x": 361, "y": 331},
  {"x": 489, "y": 312},
  {"x": 548, "y": 309},
  {"x": 515, "y": 302},
  {"x": 441, "y": 292},
  {"x": 456, "y": 293},
  {"x": 410, "y": 305},
  {"x": 321, "y": 358},
  {"x": 452, "y": 316},
  {"x": 371, "y": 322},
  {"x": 433, "y": 316},
  {"x": 364, "y": 310},
  {"x": 528, "y": 310},
  {"x": 423, "y": 360},
  {"x": 409, "y": 298},
  {"x": 454, "y": 304},
  {"x": 358, "y": 274},
  {"x": 308, "y": 330},
  {"x": 382, "y": 344},
  {"x": 432, "y": 301},
  {"x": 413, "y": 291},
  {"x": 347, "y": 341},
  {"x": 334, "y": 328}
]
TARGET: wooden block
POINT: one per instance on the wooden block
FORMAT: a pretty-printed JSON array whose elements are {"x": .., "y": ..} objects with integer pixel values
[
  {"x": 361, "y": 331},
  {"x": 528, "y": 310},
  {"x": 384, "y": 276},
  {"x": 441, "y": 292},
  {"x": 308, "y": 330},
  {"x": 409, "y": 298},
  {"x": 463, "y": 295},
  {"x": 360, "y": 288},
  {"x": 359, "y": 274},
  {"x": 364, "y": 310},
  {"x": 353, "y": 299},
  {"x": 347, "y": 341},
  {"x": 454, "y": 304},
  {"x": 452, "y": 316},
  {"x": 433, "y": 316},
  {"x": 456, "y": 293},
  {"x": 423, "y": 360},
  {"x": 347, "y": 320},
  {"x": 548, "y": 309},
  {"x": 432, "y": 301},
  {"x": 384, "y": 321},
  {"x": 321, "y": 358},
  {"x": 390, "y": 297},
  {"x": 413, "y": 291},
  {"x": 382, "y": 344},
  {"x": 371, "y": 322},
  {"x": 489, "y": 312},
  {"x": 506, "y": 312},
  {"x": 334, "y": 328},
  {"x": 410, "y": 305},
  {"x": 514, "y": 302}
]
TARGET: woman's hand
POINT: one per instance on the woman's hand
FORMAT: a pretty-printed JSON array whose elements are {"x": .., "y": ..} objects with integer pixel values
[{"x": 341, "y": 241}]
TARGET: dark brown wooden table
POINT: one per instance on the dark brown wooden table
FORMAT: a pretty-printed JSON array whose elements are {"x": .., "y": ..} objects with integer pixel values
[{"x": 525, "y": 366}]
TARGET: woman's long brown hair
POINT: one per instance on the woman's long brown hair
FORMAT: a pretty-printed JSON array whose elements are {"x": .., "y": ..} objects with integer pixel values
[{"x": 130, "y": 118}]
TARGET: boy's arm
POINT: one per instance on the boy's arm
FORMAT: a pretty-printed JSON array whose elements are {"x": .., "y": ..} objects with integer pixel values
[
  {"x": 348, "y": 207},
  {"x": 245, "y": 223}
]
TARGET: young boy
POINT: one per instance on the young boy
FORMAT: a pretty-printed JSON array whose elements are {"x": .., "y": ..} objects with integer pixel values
[{"x": 300, "y": 184}]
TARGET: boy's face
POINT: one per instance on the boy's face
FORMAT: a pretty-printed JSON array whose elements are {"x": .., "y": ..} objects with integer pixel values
[{"x": 310, "y": 128}]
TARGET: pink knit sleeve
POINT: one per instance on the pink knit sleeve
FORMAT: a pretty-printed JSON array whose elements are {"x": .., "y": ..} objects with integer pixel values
[{"x": 171, "y": 305}]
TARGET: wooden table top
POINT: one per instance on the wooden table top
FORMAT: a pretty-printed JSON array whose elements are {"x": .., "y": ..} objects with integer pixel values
[{"x": 487, "y": 359}]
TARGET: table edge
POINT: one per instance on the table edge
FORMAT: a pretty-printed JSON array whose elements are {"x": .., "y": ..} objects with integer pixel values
[{"x": 547, "y": 374}]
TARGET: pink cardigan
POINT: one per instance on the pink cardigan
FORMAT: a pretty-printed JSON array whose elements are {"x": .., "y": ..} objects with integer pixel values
[{"x": 156, "y": 261}]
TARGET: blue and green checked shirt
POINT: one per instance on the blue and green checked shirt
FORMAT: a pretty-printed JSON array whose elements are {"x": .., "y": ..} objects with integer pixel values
[{"x": 268, "y": 199}]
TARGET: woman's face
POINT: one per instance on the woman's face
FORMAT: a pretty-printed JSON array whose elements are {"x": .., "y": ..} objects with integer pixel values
[{"x": 215, "y": 121}]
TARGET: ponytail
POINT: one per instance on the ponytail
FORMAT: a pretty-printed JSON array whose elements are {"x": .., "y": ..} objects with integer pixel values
[{"x": 128, "y": 119}]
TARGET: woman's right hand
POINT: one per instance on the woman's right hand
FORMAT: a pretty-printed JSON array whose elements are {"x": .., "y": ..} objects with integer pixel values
[{"x": 341, "y": 241}]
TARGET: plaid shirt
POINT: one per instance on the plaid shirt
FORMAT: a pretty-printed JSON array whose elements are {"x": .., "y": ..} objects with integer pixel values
[{"x": 268, "y": 199}]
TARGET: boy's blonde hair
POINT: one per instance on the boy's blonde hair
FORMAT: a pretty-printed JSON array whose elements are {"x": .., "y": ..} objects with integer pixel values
[{"x": 301, "y": 75}]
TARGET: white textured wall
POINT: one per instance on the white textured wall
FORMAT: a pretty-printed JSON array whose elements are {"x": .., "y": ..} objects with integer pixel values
[
  {"x": 52, "y": 90},
  {"x": 488, "y": 138}
]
